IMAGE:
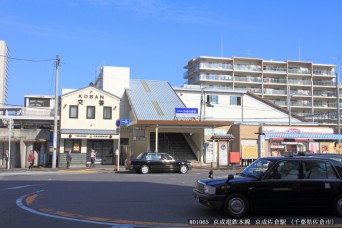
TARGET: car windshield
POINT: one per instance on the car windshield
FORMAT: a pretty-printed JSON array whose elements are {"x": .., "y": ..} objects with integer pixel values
[
  {"x": 258, "y": 168},
  {"x": 140, "y": 155}
]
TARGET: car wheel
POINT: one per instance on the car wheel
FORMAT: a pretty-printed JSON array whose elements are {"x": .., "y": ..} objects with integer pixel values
[
  {"x": 236, "y": 205},
  {"x": 144, "y": 169},
  {"x": 337, "y": 207},
  {"x": 183, "y": 169}
]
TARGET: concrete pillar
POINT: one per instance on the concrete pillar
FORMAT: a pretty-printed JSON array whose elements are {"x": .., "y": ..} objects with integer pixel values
[{"x": 22, "y": 148}]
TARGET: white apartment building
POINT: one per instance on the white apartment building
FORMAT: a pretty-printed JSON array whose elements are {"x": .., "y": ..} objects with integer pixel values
[
  {"x": 113, "y": 79},
  {"x": 310, "y": 87},
  {"x": 3, "y": 72}
]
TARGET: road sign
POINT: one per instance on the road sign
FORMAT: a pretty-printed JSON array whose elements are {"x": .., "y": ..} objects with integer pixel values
[
  {"x": 125, "y": 121},
  {"x": 117, "y": 123}
]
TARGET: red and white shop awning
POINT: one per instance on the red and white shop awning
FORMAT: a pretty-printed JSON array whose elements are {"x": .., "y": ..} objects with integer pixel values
[{"x": 302, "y": 136}]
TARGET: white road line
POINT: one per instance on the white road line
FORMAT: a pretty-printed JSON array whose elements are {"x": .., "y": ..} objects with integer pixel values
[
  {"x": 23, "y": 186},
  {"x": 20, "y": 204}
]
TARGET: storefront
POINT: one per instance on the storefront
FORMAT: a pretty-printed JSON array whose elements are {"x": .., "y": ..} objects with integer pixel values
[{"x": 299, "y": 139}]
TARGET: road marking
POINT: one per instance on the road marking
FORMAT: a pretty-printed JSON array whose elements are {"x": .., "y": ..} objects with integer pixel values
[
  {"x": 23, "y": 186},
  {"x": 86, "y": 219}
]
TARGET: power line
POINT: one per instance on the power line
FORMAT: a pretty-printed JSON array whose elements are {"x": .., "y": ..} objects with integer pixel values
[{"x": 28, "y": 60}]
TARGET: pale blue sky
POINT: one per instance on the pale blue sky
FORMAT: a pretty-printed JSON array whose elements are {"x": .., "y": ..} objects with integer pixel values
[{"x": 156, "y": 38}]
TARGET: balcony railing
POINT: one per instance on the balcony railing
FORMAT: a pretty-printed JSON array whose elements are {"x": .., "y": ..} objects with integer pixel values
[
  {"x": 301, "y": 103},
  {"x": 324, "y": 83},
  {"x": 247, "y": 67},
  {"x": 274, "y": 69},
  {"x": 280, "y": 103},
  {"x": 218, "y": 66},
  {"x": 217, "y": 77},
  {"x": 29, "y": 111},
  {"x": 324, "y": 105},
  {"x": 274, "y": 91},
  {"x": 254, "y": 90},
  {"x": 299, "y": 82},
  {"x": 324, "y": 94},
  {"x": 275, "y": 80},
  {"x": 247, "y": 79},
  {"x": 299, "y": 71},
  {"x": 301, "y": 92},
  {"x": 324, "y": 72}
]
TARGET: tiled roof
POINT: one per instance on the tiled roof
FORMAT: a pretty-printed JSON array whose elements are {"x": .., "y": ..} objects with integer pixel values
[{"x": 153, "y": 100}]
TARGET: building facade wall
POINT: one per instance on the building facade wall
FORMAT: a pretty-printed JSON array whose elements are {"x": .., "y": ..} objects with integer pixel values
[
  {"x": 310, "y": 86},
  {"x": 88, "y": 127},
  {"x": 22, "y": 141},
  {"x": 113, "y": 80},
  {"x": 231, "y": 106}
]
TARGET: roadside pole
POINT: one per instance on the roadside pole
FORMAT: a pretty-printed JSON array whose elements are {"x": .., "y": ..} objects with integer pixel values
[
  {"x": 9, "y": 143},
  {"x": 54, "y": 154}
]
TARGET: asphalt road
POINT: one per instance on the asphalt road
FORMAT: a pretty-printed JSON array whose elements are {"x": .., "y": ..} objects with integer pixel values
[{"x": 82, "y": 198}]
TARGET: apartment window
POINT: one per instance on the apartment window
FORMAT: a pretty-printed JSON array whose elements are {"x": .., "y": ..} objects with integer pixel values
[
  {"x": 74, "y": 145},
  {"x": 90, "y": 112},
  {"x": 212, "y": 99},
  {"x": 39, "y": 102},
  {"x": 107, "y": 113},
  {"x": 73, "y": 111},
  {"x": 235, "y": 100}
]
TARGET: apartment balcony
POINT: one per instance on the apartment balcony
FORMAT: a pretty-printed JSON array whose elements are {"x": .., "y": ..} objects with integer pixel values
[
  {"x": 301, "y": 92},
  {"x": 277, "y": 70},
  {"x": 299, "y": 71},
  {"x": 275, "y": 81},
  {"x": 247, "y": 79},
  {"x": 254, "y": 90},
  {"x": 323, "y": 73},
  {"x": 217, "y": 77},
  {"x": 324, "y": 94},
  {"x": 217, "y": 66},
  {"x": 324, "y": 83},
  {"x": 245, "y": 67},
  {"x": 301, "y": 103},
  {"x": 280, "y": 103},
  {"x": 274, "y": 92},
  {"x": 324, "y": 105},
  {"x": 299, "y": 82}
]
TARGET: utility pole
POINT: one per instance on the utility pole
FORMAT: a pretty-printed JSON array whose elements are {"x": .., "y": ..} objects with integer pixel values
[
  {"x": 54, "y": 154},
  {"x": 289, "y": 103},
  {"x": 201, "y": 103},
  {"x": 338, "y": 103}
]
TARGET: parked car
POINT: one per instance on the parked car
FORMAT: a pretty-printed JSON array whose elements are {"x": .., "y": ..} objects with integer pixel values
[
  {"x": 286, "y": 183},
  {"x": 157, "y": 162},
  {"x": 337, "y": 157}
]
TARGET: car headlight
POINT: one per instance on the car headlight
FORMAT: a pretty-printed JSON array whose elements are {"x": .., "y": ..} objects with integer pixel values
[{"x": 209, "y": 189}]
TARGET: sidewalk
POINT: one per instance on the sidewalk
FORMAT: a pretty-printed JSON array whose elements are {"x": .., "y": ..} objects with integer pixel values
[{"x": 111, "y": 169}]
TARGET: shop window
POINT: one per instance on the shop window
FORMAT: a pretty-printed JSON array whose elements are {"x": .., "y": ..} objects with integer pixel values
[
  {"x": 73, "y": 111},
  {"x": 72, "y": 144},
  {"x": 90, "y": 112},
  {"x": 107, "y": 113}
]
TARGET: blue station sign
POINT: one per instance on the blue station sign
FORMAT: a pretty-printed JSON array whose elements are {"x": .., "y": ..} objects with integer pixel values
[{"x": 186, "y": 112}]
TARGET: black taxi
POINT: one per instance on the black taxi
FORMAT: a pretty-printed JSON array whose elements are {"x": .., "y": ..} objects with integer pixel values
[{"x": 299, "y": 182}]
